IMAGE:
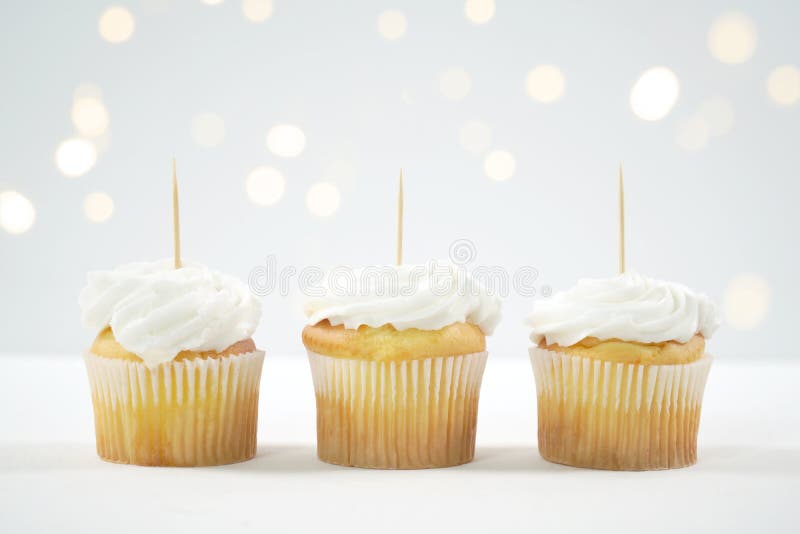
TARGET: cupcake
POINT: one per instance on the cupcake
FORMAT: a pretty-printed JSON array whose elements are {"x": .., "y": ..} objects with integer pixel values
[
  {"x": 173, "y": 371},
  {"x": 397, "y": 361},
  {"x": 620, "y": 366}
]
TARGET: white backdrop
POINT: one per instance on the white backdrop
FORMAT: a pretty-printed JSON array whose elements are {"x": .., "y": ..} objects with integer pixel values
[{"x": 711, "y": 186}]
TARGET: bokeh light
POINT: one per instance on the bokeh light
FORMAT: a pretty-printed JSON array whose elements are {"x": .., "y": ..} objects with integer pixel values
[
  {"x": 717, "y": 111},
  {"x": 693, "y": 133},
  {"x": 257, "y": 10},
  {"x": 17, "y": 213},
  {"x": 783, "y": 85},
  {"x": 732, "y": 38},
  {"x": 499, "y": 165},
  {"x": 75, "y": 157},
  {"x": 208, "y": 129},
  {"x": 475, "y": 137},
  {"x": 90, "y": 117},
  {"x": 479, "y": 11},
  {"x": 87, "y": 90},
  {"x": 454, "y": 84},
  {"x": 116, "y": 24},
  {"x": 286, "y": 140},
  {"x": 392, "y": 25},
  {"x": 265, "y": 185},
  {"x": 545, "y": 84},
  {"x": 323, "y": 199},
  {"x": 747, "y": 301},
  {"x": 654, "y": 94},
  {"x": 212, "y": 2},
  {"x": 98, "y": 207}
]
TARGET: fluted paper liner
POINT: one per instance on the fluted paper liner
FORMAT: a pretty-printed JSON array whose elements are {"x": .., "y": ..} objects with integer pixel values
[
  {"x": 195, "y": 412},
  {"x": 409, "y": 414},
  {"x": 621, "y": 416}
]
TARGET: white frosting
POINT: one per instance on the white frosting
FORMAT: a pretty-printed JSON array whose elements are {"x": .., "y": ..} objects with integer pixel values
[
  {"x": 629, "y": 307},
  {"x": 427, "y": 297},
  {"x": 156, "y": 311}
]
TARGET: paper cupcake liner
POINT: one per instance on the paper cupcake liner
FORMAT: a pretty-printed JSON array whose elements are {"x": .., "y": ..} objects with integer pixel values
[
  {"x": 621, "y": 416},
  {"x": 180, "y": 413},
  {"x": 409, "y": 414}
]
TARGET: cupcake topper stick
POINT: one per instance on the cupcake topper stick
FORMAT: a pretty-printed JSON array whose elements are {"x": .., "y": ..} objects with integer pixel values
[
  {"x": 621, "y": 222},
  {"x": 400, "y": 220},
  {"x": 176, "y": 221}
]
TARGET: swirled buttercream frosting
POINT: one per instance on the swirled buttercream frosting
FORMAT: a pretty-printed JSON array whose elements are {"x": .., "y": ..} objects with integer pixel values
[
  {"x": 628, "y": 307},
  {"x": 156, "y": 311},
  {"x": 426, "y": 297}
]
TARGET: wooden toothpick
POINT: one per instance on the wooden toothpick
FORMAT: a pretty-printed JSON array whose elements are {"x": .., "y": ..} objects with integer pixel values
[
  {"x": 621, "y": 222},
  {"x": 400, "y": 220},
  {"x": 176, "y": 219}
]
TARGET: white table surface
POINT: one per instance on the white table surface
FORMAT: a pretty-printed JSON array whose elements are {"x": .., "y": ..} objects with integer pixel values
[{"x": 747, "y": 478}]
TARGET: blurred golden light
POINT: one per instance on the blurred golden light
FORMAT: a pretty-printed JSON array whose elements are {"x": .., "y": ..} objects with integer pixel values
[
  {"x": 98, "y": 207},
  {"x": 116, "y": 24},
  {"x": 479, "y": 11},
  {"x": 323, "y": 199},
  {"x": 17, "y": 213},
  {"x": 90, "y": 117},
  {"x": 208, "y": 129},
  {"x": 654, "y": 93},
  {"x": 75, "y": 157},
  {"x": 499, "y": 165},
  {"x": 454, "y": 84},
  {"x": 545, "y": 83},
  {"x": 718, "y": 114},
  {"x": 257, "y": 10},
  {"x": 475, "y": 137},
  {"x": 783, "y": 85},
  {"x": 693, "y": 133},
  {"x": 286, "y": 140},
  {"x": 265, "y": 185},
  {"x": 747, "y": 301},
  {"x": 732, "y": 38},
  {"x": 392, "y": 25}
]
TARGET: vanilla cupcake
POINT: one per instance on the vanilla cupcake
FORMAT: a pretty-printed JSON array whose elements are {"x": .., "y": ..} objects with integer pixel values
[
  {"x": 397, "y": 357},
  {"x": 620, "y": 368},
  {"x": 173, "y": 371}
]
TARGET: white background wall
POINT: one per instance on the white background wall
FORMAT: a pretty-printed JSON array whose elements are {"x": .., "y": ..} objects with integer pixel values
[{"x": 368, "y": 106}]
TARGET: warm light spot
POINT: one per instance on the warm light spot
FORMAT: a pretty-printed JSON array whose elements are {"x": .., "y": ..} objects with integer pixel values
[
  {"x": 17, "y": 214},
  {"x": 392, "y": 25},
  {"x": 654, "y": 94},
  {"x": 75, "y": 157},
  {"x": 265, "y": 186},
  {"x": 693, "y": 133},
  {"x": 98, "y": 207},
  {"x": 732, "y": 38},
  {"x": 475, "y": 137},
  {"x": 116, "y": 24},
  {"x": 499, "y": 165},
  {"x": 783, "y": 85},
  {"x": 208, "y": 129},
  {"x": 545, "y": 83},
  {"x": 257, "y": 10},
  {"x": 454, "y": 84},
  {"x": 89, "y": 116},
  {"x": 747, "y": 300},
  {"x": 212, "y": 2},
  {"x": 286, "y": 140},
  {"x": 479, "y": 11},
  {"x": 718, "y": 114},
  {"x": 323, "y": 199}
]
